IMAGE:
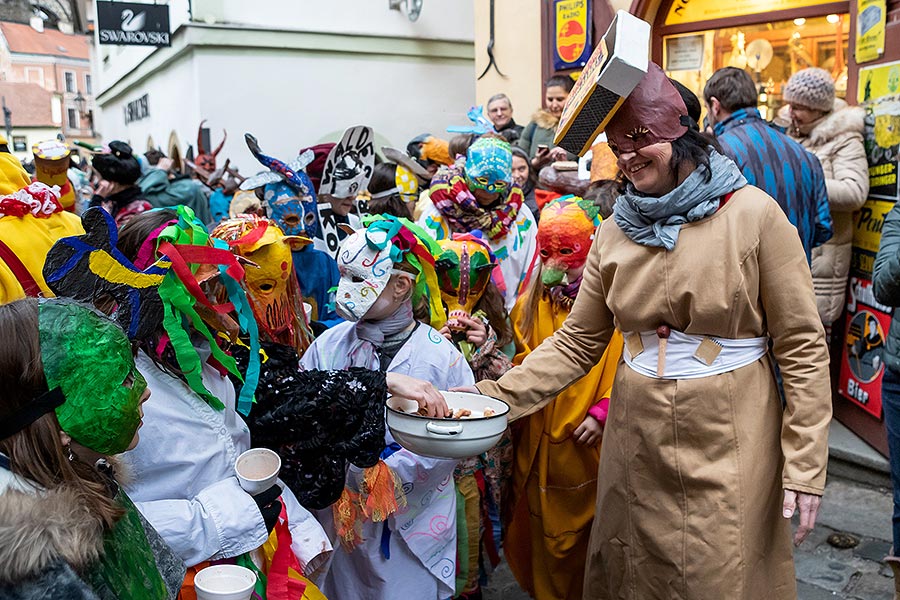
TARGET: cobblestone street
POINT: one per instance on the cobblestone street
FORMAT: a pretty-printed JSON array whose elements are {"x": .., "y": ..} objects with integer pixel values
[{"x": 823, "y": 571}]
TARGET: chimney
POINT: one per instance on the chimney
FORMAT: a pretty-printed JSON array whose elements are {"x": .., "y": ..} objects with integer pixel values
[{"x": 37, "y": 24}]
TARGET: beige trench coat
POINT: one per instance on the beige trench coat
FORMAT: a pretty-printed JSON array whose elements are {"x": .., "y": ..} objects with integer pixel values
[{"x": 692, "y": 471}]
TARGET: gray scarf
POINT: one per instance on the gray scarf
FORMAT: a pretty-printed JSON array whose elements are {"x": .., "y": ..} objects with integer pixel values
[{"x": 656, "y": 221}]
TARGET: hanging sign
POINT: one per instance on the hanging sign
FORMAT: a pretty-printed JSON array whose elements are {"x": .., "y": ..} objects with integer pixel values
[
  {"x": 870, "y": 24},
  {"x": 684, "y": 53},
  {"x": 573, "y": 34},
  {"x": 133, "y": 24}
]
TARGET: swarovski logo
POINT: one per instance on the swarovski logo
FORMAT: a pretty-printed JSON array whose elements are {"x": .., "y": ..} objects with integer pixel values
[{"x": 133, "y": 23}]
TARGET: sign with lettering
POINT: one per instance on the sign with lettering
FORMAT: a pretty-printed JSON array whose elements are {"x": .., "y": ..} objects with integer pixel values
[
  {"x": 137, "y": 110},
  {"x": 133, "y": 24},
  {"x": 573, "y": 34}
]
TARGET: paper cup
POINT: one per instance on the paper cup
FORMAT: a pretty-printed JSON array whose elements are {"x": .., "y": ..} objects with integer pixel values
[
  {"x": 257, "y": 469},
  {"x": 307, "y": 308},
  {"x": 224, "y": 582}
]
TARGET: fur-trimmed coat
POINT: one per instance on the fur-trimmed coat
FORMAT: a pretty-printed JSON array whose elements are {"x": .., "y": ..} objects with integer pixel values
[
  {"x": 539, "y": 132},
  {"x": 50, "y": 540},
  {"x": 837, "y": 141}
]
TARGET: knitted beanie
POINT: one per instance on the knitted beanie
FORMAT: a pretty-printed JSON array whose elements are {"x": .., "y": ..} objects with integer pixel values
[{"x": 812, "y": 88}]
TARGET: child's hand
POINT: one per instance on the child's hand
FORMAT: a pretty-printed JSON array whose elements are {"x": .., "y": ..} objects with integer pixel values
[
  {"x": 476, "y": 331},
  {"x": 589, "y": 432},
  {"x": 423, "y": 392},
  {"x": 445, "y": 331}
]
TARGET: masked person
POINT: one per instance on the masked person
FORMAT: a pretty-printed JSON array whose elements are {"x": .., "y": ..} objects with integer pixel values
[
  {"x": 290, "y": 199},
  {"x": 117, "y": 191},
  {"x": 478, "y": 325},
  {"x": 387, "y": 274},
  {"x": 71, "y": 397},
  {"x": 478, "y": 194},
  {"x": 702, "y": 467},
  {"x": 557, "y": 449},
  {"x": 194, "y": 430}
]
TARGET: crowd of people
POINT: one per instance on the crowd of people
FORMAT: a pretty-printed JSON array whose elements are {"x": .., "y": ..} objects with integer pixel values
[{"x": 659, "y": 332}]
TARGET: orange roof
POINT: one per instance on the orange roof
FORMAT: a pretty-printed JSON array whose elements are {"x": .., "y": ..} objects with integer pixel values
[
  {"x": 24, "y": 39},
  {"x": 29, "y": 103}
]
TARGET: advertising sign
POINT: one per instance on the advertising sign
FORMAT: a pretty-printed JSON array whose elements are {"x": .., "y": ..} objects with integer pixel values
[
  {"x": 133, "y": 24},
  {"x": 870, "y": 30},
  {"x": 573, "y": 34}
]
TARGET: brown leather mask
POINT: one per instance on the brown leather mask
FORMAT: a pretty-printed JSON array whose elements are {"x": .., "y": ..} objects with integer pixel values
[{"x": 651, "y": 114}]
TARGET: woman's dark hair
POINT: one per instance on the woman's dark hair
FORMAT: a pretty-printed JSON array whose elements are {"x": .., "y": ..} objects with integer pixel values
[
  {"x": 459, "y": 144},
  {"x": 603, "y": 193},
  {"x": 494, "y": 306},
  {"x": 563, "y": 81},
  {"x": 36, "y": 452},
  {"x": 693, "y": 147},
  {"x": 383, "y": 179}
]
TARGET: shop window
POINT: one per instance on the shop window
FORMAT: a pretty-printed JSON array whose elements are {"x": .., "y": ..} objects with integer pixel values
[
  {"x": 20, "y": 144},
  {"x": 770, "y": 52},
  {"x": 70, "y": 82}
]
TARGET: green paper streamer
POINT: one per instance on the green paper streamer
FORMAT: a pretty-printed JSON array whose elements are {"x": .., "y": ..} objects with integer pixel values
[{"x": 89, "y": 358}]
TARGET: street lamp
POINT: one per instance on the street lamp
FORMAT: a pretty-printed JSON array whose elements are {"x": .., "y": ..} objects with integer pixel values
[{"x": 84, "y": 111}]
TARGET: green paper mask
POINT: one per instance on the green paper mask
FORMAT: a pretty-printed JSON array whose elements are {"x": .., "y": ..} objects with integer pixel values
[{"x": 89, "y": 358}]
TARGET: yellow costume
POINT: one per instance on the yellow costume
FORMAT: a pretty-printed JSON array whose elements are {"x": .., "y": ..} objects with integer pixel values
[{"x": 554, "y": 486}]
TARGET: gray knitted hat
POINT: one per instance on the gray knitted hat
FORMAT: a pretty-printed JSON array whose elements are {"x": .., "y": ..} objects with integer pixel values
[{"x": 812, "y": 87}]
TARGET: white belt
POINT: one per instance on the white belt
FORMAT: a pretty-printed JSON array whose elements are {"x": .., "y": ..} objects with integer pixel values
[{"x": 688, "y": 356}]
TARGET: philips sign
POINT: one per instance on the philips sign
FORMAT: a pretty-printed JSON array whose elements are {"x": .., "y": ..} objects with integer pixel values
[{"x": 133, "y": 24}]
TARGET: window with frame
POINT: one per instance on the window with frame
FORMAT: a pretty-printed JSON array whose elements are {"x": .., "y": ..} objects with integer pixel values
[
  {"x": 88, "y": 84},
  {"x": 20, "y": 144},
  {"x": 70, "y": 82},
  {"x": 72, "y": 118}
]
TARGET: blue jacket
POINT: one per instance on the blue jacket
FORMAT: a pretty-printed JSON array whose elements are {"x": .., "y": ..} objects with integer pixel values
[{"x": 783, "y": 169}]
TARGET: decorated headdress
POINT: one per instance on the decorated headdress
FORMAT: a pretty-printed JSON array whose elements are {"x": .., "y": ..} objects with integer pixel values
[
  {"x": 369, "y": 257},
  {"x": 175, "y": 262},
  {"x": 207, "y": 160},
  {"x": 51, "y": 166},
  {"x": 406, "y": 185},
  {"x": 565, "y": 233},
  {"x": 480, "y": 124},
  {"x": 94, "y": 388},
  {"x": 489, "y": 165},
  {"x": 12, "y": 176},
  {"x": 396, "y": 156},
  {"x": 289, "y": 192},
  {"x": 272, "y": 286},
  {"x": 350, "y": 163},
  {"x": 464, "y": 267},
  {"x": 653, "y": 113}
]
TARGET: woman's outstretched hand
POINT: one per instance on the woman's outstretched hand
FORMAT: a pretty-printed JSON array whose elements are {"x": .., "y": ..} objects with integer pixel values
[
  {"x": 423, "y": 392},
  {"x": 809, "y": 509}
]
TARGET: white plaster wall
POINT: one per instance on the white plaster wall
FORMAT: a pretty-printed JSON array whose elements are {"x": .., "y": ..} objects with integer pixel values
[{"x": 399, "y": 97}]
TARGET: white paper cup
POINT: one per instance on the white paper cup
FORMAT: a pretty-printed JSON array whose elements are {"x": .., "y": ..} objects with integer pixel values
[
  {"x": 307, "y": 308},
  {"x": 224, "y": 582},
  {"x": 257, "y": 469}
]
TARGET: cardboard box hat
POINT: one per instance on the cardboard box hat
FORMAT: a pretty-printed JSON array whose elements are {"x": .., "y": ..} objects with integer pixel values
[{"x": 613, "y": 71}]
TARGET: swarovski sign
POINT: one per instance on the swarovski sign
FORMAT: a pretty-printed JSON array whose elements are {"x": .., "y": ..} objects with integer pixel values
[{"x": 133, "y": 23}]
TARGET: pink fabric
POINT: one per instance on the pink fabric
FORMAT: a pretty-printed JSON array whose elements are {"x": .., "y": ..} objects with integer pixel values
[{"x": 600, "y": 410}]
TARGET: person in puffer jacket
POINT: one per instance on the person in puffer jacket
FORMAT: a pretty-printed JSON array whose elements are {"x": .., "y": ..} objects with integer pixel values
[{"x": 833, "y": 131}]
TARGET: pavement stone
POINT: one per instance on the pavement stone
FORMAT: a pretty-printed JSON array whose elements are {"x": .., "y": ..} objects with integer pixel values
[
  {"x": 822, "y": 571},
  {"x": 856, "y": 509},
  {"x": 874, "y": 550},
  {"x": 872, "y": 586},
  {"x": 806, "y": 591}
]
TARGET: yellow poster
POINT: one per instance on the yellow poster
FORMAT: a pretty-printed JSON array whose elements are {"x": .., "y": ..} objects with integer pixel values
[
  {"x": 690, "y": 11},
  {"x": 572, "y": 34},
  {"x": 878, "y": 81},
  {"x": 870, "y": 30}
]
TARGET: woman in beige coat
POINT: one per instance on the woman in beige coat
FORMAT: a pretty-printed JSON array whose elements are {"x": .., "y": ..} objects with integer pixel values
[
  {"x": 701, "y": 466},
  {"x": 833, "y": 131}
]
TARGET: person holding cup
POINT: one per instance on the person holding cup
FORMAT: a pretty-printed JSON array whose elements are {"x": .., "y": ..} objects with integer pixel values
[{"x": 70, "y": 397}]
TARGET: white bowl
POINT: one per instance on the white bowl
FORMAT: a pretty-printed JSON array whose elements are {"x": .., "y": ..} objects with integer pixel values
[
  {"x": 448, "y": 438},
  {"x": 224, "y": 582},
  {"x": 257, "y": 469}
]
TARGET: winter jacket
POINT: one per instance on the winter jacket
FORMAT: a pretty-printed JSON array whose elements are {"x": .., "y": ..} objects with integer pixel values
[
  {"x": 51, "y": 546},
  {"x": 886, "y": 282},
  {"x": 163, "y": 193},
  {"x": 540, "y": 132},
  {"x": 837, "y": 141},
  {"x": 782, "y": 168},
  {"x": 512, "y": 131}
]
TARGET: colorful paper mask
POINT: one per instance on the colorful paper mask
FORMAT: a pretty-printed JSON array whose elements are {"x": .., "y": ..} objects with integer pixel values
[
  {"x": 89, "y": 358},
  {"x": 651, "y": 114},
  {"x": 464, "y": 269},
  {"x": 207, "y": 160},
  {"x": 289, "y": 192},
  {"x": 406, "y": 184},
  {"x": 350, "y": 164},
  {"x": 51, "y": 166},
  {"x": 367, "y": 259},
  {"x": 89, "y": 268},
  {"x": 272, "y": 286},
  {"x": 565, "y": 233},
  {"x": 489, "y": 165}
]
